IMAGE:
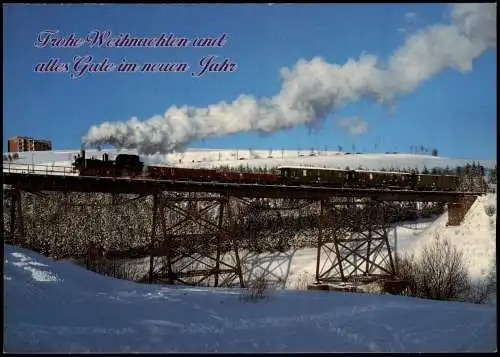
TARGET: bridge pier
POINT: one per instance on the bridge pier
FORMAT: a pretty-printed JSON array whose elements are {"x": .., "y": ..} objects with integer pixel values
[
  {"x": 153, "y": 237},
  {"x": 353, "y": 244},
  {"x": 195, "y": 250},
  {"x": 457, "y": 210},
  {"x": 16, "y": 230}
]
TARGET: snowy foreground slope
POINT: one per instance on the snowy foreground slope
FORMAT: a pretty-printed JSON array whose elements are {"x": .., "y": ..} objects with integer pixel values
[{"x": 59, "y": 307}]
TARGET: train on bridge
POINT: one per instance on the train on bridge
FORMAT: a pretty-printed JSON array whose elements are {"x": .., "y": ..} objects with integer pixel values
[{"x": 126, "y": 165}]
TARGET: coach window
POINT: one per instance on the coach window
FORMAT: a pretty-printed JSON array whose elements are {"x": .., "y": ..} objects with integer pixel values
[{"x": 304, "y": 172}]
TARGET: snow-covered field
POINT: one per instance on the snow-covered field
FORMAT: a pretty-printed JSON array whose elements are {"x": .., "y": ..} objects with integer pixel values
[
  {"x": 59, "y": 307},
  {"x": 257, "y": 158}
]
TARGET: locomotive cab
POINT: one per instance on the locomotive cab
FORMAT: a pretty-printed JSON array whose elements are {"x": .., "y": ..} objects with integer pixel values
[
  {"x": 129, "y": 162},
  {"x": 79, "y": 162}
]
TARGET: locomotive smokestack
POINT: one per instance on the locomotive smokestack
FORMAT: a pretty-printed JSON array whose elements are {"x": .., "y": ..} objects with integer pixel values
[{"x": 314, "y": 88}]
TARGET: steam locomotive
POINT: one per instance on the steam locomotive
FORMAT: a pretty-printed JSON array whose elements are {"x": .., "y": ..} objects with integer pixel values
[
  {"x": 123, "y": 165},
  {"x": 131, "y": 166}
]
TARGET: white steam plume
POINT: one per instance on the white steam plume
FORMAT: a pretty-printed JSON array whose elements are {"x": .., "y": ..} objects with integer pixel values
[
  {"x": 312, "y": 89},
  {"x": 353, "y": 125}
]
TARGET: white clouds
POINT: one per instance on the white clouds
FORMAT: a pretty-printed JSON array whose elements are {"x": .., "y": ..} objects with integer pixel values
[
  {"x": 313, "y": 88},
  {"x": 353, "y": 125},
  {"x": 409, "y": 16},
  {"x": 410, "y": 20}
]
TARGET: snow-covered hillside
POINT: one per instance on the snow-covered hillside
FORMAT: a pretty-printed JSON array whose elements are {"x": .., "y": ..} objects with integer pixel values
[
  {"x": 54, "y": 306},
  {"x": 476, "y": 236},
  {"x": 259, "y": 158}
]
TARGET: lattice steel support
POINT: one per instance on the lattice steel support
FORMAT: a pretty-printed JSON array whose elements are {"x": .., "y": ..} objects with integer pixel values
[
  {"x": 353, "y": 242},
  {"x": 16, "y": 229},
  {"x": 153, "y": 235},
  {"x": 194, "y": 248}
]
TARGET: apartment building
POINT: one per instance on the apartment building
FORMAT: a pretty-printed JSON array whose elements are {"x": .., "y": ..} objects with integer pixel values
[{"x": 26, "y": 143}]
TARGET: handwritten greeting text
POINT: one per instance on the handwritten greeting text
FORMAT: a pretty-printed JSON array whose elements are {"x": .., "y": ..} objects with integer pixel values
[{"x": 84, "y": 64}]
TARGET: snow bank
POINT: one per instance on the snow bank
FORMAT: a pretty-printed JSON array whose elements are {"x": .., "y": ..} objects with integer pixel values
[
  {"x": 54, "y": 306},
  {"x": 476, "y": 236}
]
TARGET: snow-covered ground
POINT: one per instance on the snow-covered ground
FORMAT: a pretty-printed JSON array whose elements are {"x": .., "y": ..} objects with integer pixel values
[
  {"x": 54, "y": 306},
  {"x": 257, "y": 158},
  {"x": 476, "y": 236}
]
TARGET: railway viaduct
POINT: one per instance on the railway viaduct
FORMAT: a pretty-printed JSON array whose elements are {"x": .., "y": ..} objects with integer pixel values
[{"x": 351, "y": 244}]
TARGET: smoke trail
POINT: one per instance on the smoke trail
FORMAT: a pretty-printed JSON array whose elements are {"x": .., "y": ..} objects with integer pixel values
[
  {"x": 353, "y": 125},
  {"x": 314, "y": 88}
]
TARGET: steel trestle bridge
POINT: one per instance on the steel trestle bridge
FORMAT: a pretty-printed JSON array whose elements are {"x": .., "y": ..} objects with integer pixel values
[{"x": 350, "y": 243}]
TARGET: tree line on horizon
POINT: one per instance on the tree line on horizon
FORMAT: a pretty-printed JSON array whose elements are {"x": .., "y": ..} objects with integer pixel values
[{"x": 475, "y": 169}]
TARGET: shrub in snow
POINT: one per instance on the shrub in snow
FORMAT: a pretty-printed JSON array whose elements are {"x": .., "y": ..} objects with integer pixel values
[
  {"x": 257, "y": 290},
  {"x": 119, "y": 268},
  {"x": 479, "y": 292},
  {"x": 407, "y": 266},
  {"x": 492, "y": 277},
  {"x": 441, "y": 271},
  {"x": 490, "y": 210},
  {"x": 438, "y": 273},
  {"x": 304, "y": 279},
  {"x": 485, "y": 289},
  {"x": 373, "y": 288}
]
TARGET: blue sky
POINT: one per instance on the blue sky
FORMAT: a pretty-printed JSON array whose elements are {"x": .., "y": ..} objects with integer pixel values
[{"x": 453, "y": 111}]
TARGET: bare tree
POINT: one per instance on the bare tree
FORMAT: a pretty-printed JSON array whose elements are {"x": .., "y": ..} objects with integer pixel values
[
  {"x": 442, "y": 274},
  {"x": 438, "y": 273}
]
